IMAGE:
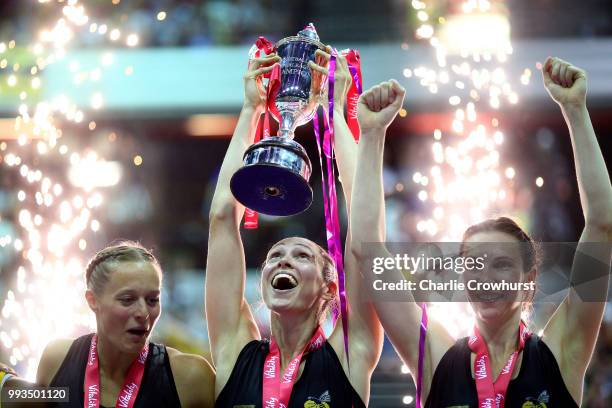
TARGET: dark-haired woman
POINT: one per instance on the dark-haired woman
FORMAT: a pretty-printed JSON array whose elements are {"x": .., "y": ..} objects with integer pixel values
[
  {"x": 117, "y": 366},
  {"x": 502, "y": 364}
]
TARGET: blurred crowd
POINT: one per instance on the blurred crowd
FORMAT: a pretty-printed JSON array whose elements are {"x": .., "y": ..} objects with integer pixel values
[{"x": 168, "y": 23}]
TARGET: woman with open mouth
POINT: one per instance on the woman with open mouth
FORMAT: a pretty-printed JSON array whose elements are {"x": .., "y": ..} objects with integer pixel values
[
  {"x": 502, "y": 364},
  {"x": 117, "y": 366},
  {"x": 298, "y": 367}
]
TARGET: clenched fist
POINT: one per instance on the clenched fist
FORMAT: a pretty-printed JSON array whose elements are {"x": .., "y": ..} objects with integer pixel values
[
  {"x": 565, "y": 83},
  {"x": 379, "y": 105}
]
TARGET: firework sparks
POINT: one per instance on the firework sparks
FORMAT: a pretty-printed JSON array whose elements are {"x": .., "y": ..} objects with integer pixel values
[
  {"x": 54, "y": 218},
  {"x": 467, "y": 181}
]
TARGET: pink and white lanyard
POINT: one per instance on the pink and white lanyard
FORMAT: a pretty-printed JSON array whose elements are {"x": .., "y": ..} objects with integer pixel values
[
  {"x": 130, "y": 388},
  {"x": 493, "y": 394},
  {"x": 276, "y": 387}
]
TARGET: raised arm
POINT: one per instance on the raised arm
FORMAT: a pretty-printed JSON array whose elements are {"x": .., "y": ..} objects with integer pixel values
[
  {"x": 345, "y": 145},
  {"x": 572, "y": 331},
  {"x": 230, "y": 322},
  {"x": 365, "y": 332},
  {"x": 401, "y": 320}
]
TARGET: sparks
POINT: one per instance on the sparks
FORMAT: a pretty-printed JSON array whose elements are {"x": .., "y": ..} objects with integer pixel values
[
  {"x": 468, "y": 180},
  {"x": 53, "y": 217}
]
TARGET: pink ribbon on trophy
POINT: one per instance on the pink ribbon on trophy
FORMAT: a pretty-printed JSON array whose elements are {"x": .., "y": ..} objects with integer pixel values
[
  {"x": 422, "y": 339},
  {"x": 261, "y": 46},
  {"x": 330, "y": 198},
  {"x": 266, "y": 47},
  {"x": 354, "y": 64}
]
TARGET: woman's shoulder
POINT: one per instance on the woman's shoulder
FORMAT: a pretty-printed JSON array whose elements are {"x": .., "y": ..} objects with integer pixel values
[
  {"x": 187, "y": 365},
  {"x": 53, "y": 356},
  {"x": 453, "y": 361},
  {"x": 194, "y": 378},
  {"x": 460, "y": 346},
  {"x": 540, "y": 350}
]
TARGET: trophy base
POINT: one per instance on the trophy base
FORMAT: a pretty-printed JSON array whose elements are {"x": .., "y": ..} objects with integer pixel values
[
  {"x": 271, "y": 189},
  {"x": 274, "y": 179}
]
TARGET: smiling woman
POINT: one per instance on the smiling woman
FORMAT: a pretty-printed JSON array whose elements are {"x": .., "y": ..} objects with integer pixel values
[
  {"x": 298, "y": 283},
  {"x": 502, "y": 363},
  {"x": 118, "y": 363},
  {"x": 280, "y": 278}
]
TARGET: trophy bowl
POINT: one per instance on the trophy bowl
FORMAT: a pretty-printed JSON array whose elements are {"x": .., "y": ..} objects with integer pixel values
[{"x": 274, "y": 178}]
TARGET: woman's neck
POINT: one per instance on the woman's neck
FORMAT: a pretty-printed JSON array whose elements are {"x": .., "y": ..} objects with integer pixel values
[
  {"x": 114, "y": 364},
  {"x": 501, "y": 337},
  {"x": 292, "y": 333}
]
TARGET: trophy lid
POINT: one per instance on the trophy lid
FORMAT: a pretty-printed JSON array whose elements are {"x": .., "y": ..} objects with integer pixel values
[{"x": 309, "y": 32}]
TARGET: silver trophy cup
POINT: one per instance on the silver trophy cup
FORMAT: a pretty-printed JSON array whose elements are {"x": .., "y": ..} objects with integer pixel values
[{"x": 274, "y": 178}]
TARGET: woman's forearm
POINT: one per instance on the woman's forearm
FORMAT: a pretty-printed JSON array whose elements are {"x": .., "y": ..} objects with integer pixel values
[
  {"x": 224, "y": 204},
  {"x": 593, "y": 177},
  {"x": 346, "y": 155},
  {"x": 368, "y": 213}
]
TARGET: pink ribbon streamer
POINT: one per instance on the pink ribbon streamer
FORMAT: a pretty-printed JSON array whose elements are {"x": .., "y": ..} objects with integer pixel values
[
  {"x": 330, "y": 201},
  {"x": 422, "y": 338}
]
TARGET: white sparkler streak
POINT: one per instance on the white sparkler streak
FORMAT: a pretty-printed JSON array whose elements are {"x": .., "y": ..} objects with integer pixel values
[
  {"x": 47, "y": 298},
  {"x": 467, "y": 185},
  {"x": 468, "y": 179}
]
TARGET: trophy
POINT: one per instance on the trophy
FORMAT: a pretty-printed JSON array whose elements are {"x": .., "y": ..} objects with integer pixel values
[{"x": 274, "y": 178}]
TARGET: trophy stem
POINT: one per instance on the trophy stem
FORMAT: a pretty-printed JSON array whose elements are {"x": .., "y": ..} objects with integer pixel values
[{"x": 287, "y": 124}]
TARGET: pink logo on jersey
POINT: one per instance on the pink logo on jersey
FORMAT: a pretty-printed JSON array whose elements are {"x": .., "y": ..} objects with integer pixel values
[
  {"x": 270, "y": 368},
  {"x": 288, "y": 376},
  {"x": 506, "y": 368},
  {"x": 92, "y": 351},
  {"x": 271, "y": 403},
  {"x": 142, "y": 358},
  {"x": 487, "y": 403},
  {"x": 481, "y": 367},
  {"x": 126, "y": 395},
  {"x": 92, "y": 396}
]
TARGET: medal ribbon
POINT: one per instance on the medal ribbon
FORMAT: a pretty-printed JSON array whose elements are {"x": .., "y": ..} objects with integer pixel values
[
  {"x": 276, "y": 388},
  {"x": 130, "y": 388},
  {"x": 493, "y": 394}
]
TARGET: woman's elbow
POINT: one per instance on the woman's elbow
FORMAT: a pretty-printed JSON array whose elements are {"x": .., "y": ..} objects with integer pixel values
[
  {"x": 221, "y": 211},
  {"x": 599, "y": 228}
]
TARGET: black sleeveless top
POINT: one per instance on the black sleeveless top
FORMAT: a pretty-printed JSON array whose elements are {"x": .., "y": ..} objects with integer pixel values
[
  {"x": 322, "y": 383},
  {"x": 538, "y": 384},
  {"x": 157, "y": 389}
]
